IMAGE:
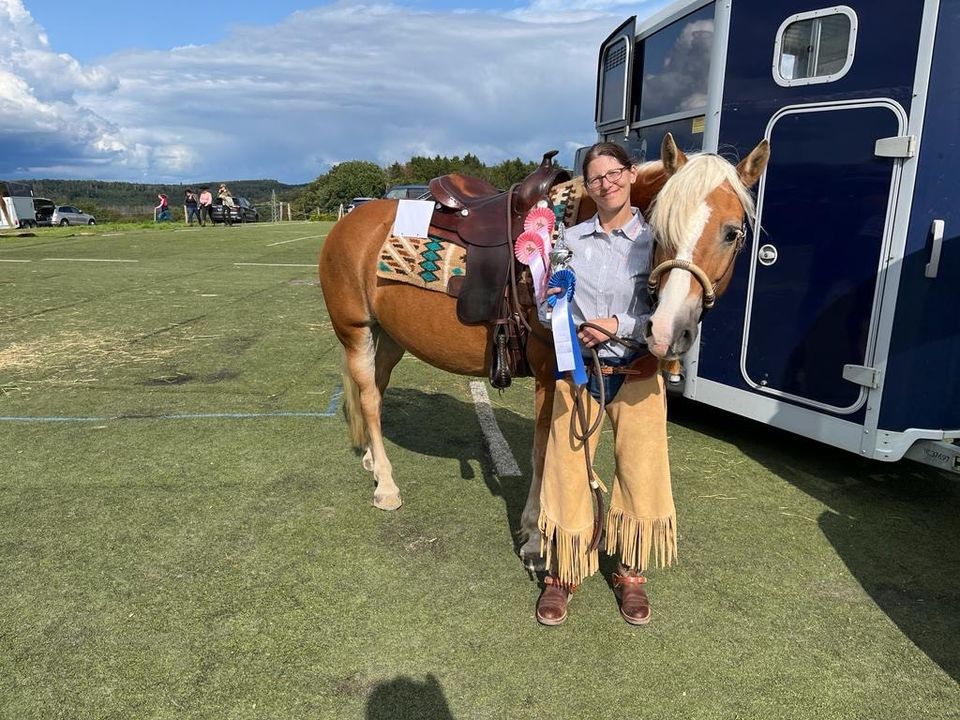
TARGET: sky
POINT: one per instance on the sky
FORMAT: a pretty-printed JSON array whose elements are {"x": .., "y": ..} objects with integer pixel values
[{"x": 191, "y": 91}]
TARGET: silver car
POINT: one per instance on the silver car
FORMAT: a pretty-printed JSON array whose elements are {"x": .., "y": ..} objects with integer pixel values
[{"x": 69, "y": 215}]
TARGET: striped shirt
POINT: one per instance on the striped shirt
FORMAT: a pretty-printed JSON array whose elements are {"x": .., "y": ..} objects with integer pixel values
[{"x": 612, "y": 270}]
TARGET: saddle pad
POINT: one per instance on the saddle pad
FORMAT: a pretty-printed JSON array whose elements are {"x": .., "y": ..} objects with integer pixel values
[
  {"x": 565, "y": 198},
  {"x": 425, "y": 262}
]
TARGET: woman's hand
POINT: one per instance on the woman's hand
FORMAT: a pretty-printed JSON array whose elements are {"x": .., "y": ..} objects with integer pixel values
[{"x": 590, "y": 337}]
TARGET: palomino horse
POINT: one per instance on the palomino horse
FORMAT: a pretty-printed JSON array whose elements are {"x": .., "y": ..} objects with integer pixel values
[{"x": 702, "y": 204}]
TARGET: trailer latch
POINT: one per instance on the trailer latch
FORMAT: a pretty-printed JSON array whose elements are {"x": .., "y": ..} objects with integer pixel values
[
  {"x": 900, "y": 146},
  {"x": 862, "y": 375}
]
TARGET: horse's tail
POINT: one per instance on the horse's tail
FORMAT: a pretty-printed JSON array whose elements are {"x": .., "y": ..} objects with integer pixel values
[{"x": 351, "y": 411}]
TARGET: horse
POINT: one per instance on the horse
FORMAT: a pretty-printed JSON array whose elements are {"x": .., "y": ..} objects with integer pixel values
[{"x": 698, "y": 208}]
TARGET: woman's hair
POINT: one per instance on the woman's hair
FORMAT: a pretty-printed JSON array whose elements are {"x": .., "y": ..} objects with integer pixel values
[{"x": 605, "y": 148}]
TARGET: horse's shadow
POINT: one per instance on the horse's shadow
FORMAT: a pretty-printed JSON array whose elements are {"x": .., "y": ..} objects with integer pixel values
[
  {"x": 439, "y": 425},
  {"x": 893, "y": 525}
]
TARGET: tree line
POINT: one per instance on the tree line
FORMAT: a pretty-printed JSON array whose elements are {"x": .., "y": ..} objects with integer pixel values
[{"x": 359, "y": 178}]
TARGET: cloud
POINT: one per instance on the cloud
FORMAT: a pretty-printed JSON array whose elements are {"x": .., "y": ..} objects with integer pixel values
[
  {"x": 338, "y": 82},
  {"x": 40, "y": 122}
]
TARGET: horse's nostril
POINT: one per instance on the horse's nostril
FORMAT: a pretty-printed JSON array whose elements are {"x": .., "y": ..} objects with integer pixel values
[{"x": 648, "y": 328}]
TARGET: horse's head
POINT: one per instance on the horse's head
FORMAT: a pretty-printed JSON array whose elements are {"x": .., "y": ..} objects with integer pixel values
[{"x": 699, "y": 218}]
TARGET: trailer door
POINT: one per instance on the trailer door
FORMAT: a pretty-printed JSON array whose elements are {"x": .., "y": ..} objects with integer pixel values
[{"x": 824, "y": 218}]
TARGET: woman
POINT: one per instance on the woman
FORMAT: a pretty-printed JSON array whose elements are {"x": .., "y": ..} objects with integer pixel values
[
  {"x": 226, "y": 197},
  {"x": 611, "y": 259},
  {"x": 162, "y": 211}
]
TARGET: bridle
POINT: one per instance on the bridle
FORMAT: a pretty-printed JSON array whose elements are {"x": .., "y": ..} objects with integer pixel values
[{"x": 709, "y": 287}]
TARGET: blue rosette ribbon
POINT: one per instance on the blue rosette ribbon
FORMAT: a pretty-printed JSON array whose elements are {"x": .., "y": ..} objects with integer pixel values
[{"x": 565, "y": 342}]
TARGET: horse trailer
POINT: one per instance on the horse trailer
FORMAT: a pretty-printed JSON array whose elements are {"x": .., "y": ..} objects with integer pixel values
[
  {"x": 839, "y": 323},
  {"x": 16, "y": 205}
]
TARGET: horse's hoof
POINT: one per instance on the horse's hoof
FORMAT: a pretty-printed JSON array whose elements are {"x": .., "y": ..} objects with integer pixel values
[
  {"x": 387, "y": 502},
  {"x": 531, "y": 557},
  {"x": 367, "y": 460}
]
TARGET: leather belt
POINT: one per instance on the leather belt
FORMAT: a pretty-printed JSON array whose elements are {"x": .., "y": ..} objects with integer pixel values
[{"x": 643, "y": 366}]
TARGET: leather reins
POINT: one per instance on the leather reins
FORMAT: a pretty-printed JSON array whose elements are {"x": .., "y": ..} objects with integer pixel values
[{"x": 584, "y": 433}]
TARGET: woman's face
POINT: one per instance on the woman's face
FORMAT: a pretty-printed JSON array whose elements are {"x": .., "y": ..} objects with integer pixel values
[{"x": 610, "y": 195}]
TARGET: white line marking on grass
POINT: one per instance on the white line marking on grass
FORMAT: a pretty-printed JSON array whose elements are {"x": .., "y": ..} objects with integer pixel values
[
  {"x": 305, "y": 237},
  {"x": 92, "y": 260},
  {"x": 503, "y": 459},
  {"x": 309, "y": 265},
  {"x": 20, "y": 261}
]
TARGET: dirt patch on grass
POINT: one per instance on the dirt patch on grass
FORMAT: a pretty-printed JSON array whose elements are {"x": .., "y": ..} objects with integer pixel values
[
  {"x": 239, "y": 344},
  {"x": 405, "y": 535},
  {"x": 174, "y": 378},
  {"x": 74, "y": 357}
]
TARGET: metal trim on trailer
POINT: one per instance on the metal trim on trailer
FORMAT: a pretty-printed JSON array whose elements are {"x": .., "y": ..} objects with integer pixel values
[
  {"x": 711, "y": 141},
  {"x": 872, "y": 445},
  {"x": 780, "y": 80},
  {"x": 773, "y": 411}
]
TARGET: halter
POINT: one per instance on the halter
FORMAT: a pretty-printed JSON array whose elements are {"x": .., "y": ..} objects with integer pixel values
[{"x": 709, "y": 288}]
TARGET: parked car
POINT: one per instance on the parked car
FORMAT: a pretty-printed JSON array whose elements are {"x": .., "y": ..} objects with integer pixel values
[
  {"x": 357, "y": 201},
  {"x": 407, "y": 192},
  {"x": 242, "y": 212},
  {"x": 43, "y": 211},
  {"x": 69, "y": 215}
]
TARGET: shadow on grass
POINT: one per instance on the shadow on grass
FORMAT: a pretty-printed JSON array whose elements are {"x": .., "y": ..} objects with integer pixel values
[
  {"x": 406, "y": 699},
  {"x": 893, "y": 525},
  {"x": 439, "y": 425}
]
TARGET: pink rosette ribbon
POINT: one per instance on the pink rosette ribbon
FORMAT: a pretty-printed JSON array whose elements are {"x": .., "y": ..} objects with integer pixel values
[
  {"x": 529, "y": 251},
  {"x": 540, "y": 218},
  {"x": 543, "y": 221}
]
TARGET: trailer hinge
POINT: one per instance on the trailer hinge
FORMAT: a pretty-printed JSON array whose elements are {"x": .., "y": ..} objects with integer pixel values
[
  {"x": 901, "y": 146},
  {"x": 862, "y": 375}
]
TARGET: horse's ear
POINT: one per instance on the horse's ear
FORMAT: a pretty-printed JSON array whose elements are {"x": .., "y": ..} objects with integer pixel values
[
  {"x": 672, "y": 157},
  {"x": 752, "y": 166}
]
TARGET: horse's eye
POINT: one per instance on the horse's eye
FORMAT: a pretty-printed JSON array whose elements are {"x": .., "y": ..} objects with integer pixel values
[{"x": 732, "y": 236}]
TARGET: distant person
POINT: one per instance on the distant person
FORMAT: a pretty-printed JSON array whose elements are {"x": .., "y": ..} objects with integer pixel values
[
  {"x": 191, "y": 203},
  {"x": 161, "y": 212},
  {"x": 226, "y": 197},
  {"x": 205, "y": 202}
]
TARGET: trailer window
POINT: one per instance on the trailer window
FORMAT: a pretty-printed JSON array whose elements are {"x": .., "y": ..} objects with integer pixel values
[
  {"x": 674, "y": 63},
  {"x": 613, "y": 83},
  {"x": 815, "y": 47}
]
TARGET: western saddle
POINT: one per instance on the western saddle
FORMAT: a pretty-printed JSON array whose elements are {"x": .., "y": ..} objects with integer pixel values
[{"x": 472, "y": 213}]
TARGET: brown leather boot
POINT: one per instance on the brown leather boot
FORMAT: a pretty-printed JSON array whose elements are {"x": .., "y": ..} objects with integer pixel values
[
  {"x": 634, "y": 604},
  {"x": 552, "y": 603}
]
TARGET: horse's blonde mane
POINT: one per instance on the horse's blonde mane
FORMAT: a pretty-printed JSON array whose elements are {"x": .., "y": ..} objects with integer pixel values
[{"x": 680, "y": 198}]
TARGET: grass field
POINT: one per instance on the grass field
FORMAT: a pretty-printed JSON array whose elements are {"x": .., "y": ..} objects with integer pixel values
[{"x": 185, "y": 533}]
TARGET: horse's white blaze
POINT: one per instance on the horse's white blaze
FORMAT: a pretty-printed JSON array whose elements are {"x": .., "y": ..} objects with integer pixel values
[{"x": 674, "y": 295}]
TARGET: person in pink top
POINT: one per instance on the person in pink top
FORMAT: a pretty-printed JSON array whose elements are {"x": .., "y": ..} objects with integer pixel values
[{"x": 206, "y": 202}]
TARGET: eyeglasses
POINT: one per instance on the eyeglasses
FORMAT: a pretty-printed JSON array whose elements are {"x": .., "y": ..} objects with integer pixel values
[{"x": 611, "y": 176}]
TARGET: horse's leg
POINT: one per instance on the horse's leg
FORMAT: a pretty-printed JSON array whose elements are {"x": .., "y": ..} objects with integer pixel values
[
  {"x": 387, "y": 355},
  {"x": 529, "y": 530},
  {"x": 366, "y": 366}
]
